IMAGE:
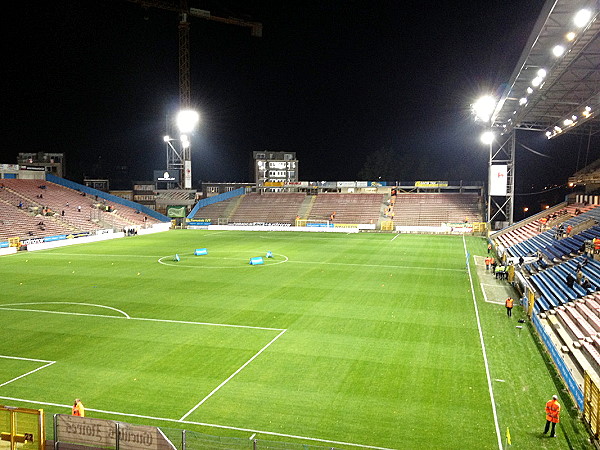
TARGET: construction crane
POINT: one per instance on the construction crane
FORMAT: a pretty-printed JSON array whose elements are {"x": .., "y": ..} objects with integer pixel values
[{"x": 181, "y": 159}]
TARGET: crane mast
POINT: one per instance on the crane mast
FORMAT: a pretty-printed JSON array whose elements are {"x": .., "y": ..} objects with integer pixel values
[{"x": 180, "y": 159}]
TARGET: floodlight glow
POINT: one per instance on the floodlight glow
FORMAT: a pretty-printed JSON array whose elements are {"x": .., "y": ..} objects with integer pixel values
[
  {"x": 522, "y": 101},
  {"x": 536, "y": 81},
  {"x": 185, "y": 144},
  {"x": 541, "y": 73},
  {"x": 558, "y": 50},
  {"x": 487, "y": 137},
  {"x": 567, "y": 122},
  {"x": 557, "y": 129},
  {"x": 588, "y": 109},
  {"x": 187, "y": 120},
  {"x": 167, "y": 138},
  {"x": 574, "y": 117},
  {"x": 582, "y": 18},
  {"x": 184, "y": 138},
  {"x": 548, "y": 134},
  {"x": 484, "y": 107},
  {"x": 529, "y": 90},
  {"x": 570, "y": 36}
]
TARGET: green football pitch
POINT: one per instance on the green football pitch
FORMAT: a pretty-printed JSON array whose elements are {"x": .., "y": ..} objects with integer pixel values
[{"x": 339, "y": 340}]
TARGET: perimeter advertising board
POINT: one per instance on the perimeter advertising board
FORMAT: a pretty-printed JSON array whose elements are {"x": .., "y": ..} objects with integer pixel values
[{"x": 99, "y": 433}]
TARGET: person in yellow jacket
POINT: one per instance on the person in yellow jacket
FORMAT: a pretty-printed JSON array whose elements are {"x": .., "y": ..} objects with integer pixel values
[
  {"x": 552, "y": 415},
  {"x": 509, "y": 306},
  {"x": 78, "y": 409}
]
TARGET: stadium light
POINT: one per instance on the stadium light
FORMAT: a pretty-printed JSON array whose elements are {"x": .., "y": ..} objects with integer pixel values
[
  {"x": 558, "y": 50},
  {"x": 570, "y": 36},
  {"x": 487, "y": 137},
  {"x": 187, "y": 120},
  {"x": 484, "y": 107},
  {"x": 582, "y": 18}
]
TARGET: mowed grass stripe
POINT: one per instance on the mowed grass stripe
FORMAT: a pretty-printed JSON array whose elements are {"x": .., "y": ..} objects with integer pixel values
[{"x": 381, "y": 348}]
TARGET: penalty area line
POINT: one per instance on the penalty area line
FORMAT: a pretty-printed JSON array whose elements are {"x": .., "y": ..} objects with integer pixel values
[
  {"x": 28, "y": 373},
  {"x": 203, "y": 424},
  {"x": 231, "y": 376}
]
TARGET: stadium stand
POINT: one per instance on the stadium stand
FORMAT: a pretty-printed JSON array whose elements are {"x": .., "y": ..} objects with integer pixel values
[
  {"x": 425, "y": 209},
  {"x": 268, "y": 208},
  {"x": 34, "y": 208},
  {"x": 348, "y": 208}
]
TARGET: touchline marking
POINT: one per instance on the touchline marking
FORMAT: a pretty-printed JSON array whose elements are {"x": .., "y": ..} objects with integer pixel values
[
  {"x": 230, "y": 377},
  {"x": 398, "y": 234},
  {"x": 211, "y": 425},
  {"x": 252, "y": 437},
  {"x": 139, "y": 318},
  {"x": 485, "y": 360},
  {"x": 28, "y": 373}
]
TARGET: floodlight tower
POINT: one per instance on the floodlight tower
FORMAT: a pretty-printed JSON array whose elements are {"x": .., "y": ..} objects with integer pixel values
[
  {"x": 179, "y": 156},
  {"x": 501, "y": 165}
]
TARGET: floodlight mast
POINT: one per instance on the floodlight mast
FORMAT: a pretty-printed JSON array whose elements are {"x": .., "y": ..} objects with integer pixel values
[{"x": 500, "y": 157}]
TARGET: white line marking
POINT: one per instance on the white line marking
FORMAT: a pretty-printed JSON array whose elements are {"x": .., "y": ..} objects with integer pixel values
[
  {"x": 252, "y": 437},
  {"x": 243, "y": 262},
  {"x": 212, "y": 425},
  {"x": 377, "y": 265},
  {"x": 28, "y": 373},
  {"x": 207, "y": 323},
  {"x": 26, "y": 359},
  {"x": 495, "y": 302},
  {"x": 141, "y": 318},
  {"x": 485, "y": 361},
  {"x": 71, "y": 303},
  {"x": 483, "y": 290},
  {"x": 501, "y": 381},
  {"x": 271, "y": 264},
  {"x": 230, "y": 377},
  {"x": 397, "y": 234}
]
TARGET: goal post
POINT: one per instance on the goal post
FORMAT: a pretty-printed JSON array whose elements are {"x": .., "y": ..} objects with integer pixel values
[{"x": 22, "y": 428}]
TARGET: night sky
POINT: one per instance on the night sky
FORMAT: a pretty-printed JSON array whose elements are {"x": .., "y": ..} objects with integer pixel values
[{"x": 334, "y": 81}]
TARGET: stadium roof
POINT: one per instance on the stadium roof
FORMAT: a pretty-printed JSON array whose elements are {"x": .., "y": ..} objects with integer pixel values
[{"x": 551, "y": 91}]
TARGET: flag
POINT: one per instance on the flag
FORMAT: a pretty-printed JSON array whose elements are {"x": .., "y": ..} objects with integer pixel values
[{"x": 508, "y": 441}]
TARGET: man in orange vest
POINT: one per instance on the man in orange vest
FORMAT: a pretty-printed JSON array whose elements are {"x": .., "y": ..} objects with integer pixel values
[
  {"x": 78, "y": 409},
  {"x": 488, "y": 261},
  {"x": 552, "y": 415},
  {"x": 509, "y": 306}
]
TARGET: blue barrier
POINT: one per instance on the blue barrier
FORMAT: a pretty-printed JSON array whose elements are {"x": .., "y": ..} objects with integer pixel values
[
  {"x": 256, "y": 261},
  {"x": 198, "y": 224},
  {"x": 560, "y": 364},
  {"x": 201, "y": 251},
  {"x": 59, "y": 237},
  {"x": 4, "y": 244}
]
